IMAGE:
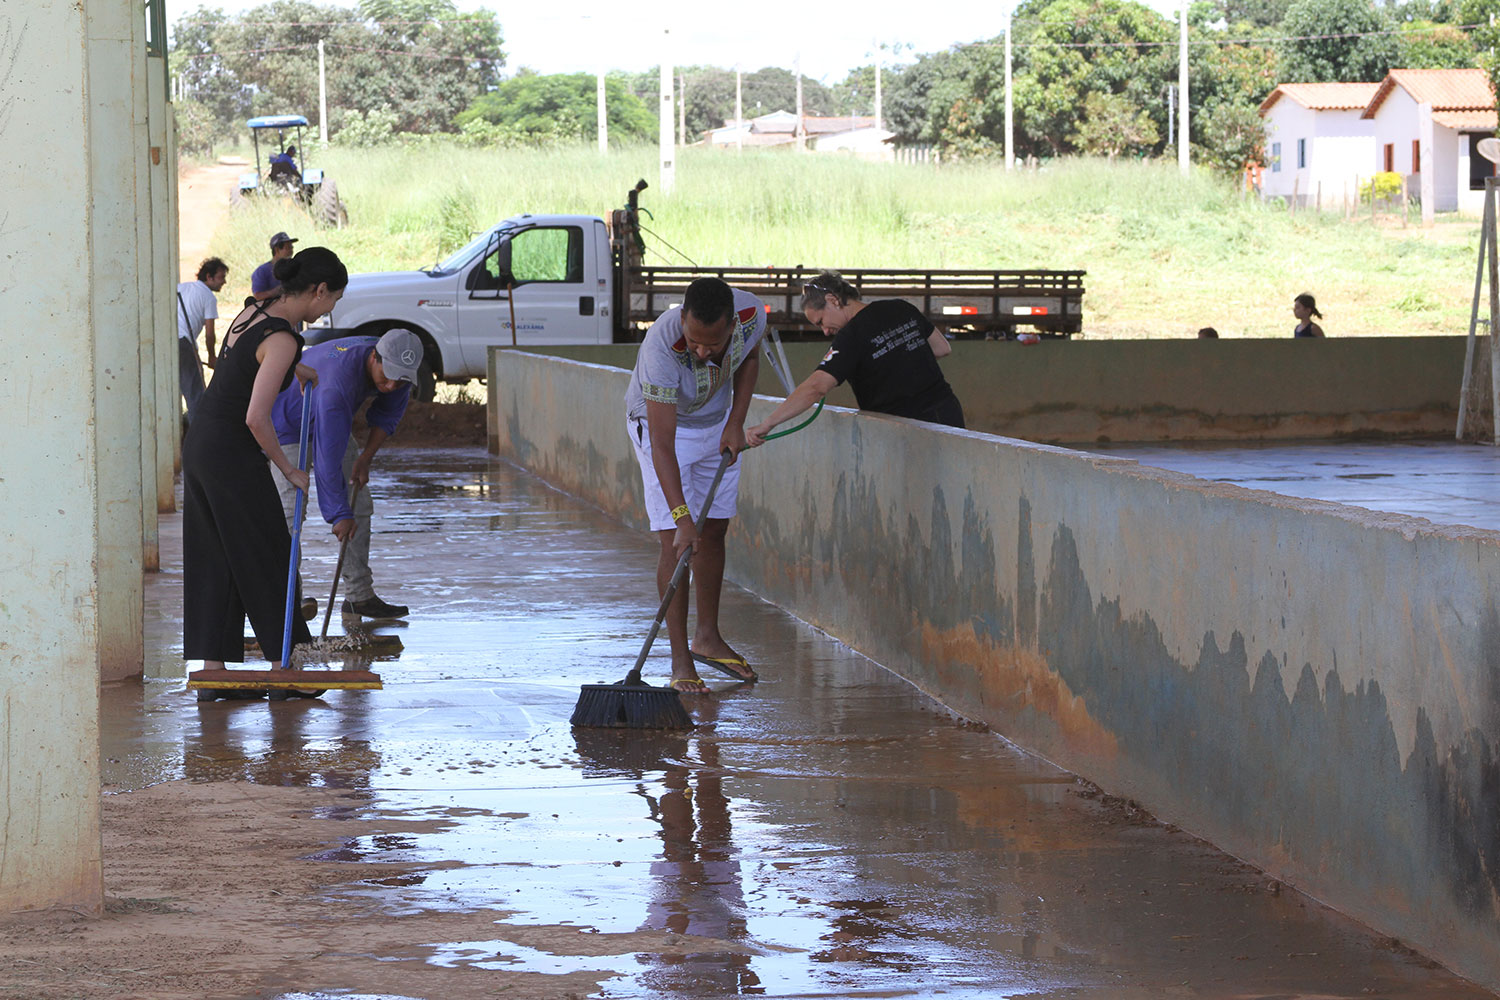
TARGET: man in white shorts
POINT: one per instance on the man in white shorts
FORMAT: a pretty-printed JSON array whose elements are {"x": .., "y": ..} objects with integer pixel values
[{"x": 687, "y": 400}]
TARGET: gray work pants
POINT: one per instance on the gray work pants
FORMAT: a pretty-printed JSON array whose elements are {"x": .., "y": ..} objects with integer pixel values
[
  {"x": 189, "y": 374},
  {"x": 359, "y": 584}
]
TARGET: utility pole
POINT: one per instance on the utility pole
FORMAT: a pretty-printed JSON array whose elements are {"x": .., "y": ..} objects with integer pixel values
[
  {"x": 1182, "y": 94},
  {"x": 681, "y": 109},
  {"x": 801, "y": 132},
  {"x": 664, "y": 124},
  {"x": 1010, "y": 115},
  {"x": 879, "y": 103},
  {"x": 739, "y": 111},
  {"x": 322, "y": 97},
  {"x": 603, "y": 121},
  {"x": 1171, "y": 115}
]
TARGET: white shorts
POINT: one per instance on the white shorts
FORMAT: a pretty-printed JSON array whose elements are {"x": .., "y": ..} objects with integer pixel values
[{"x": 698, "y": 461}]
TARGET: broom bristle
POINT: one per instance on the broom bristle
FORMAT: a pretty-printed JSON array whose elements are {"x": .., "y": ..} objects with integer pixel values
[{"x": 621, "y": 706}]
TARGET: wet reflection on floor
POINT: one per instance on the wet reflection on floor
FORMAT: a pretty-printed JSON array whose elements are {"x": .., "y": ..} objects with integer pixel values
[{"x": 826, "y": 832}]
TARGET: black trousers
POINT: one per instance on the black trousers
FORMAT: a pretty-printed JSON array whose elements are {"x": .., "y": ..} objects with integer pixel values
[{"x": 235, "y": 549}]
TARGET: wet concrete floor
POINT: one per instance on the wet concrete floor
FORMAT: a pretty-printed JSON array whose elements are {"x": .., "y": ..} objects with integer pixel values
[
  {"x": 848, "y": 836},
  {"x": 1443, "y": 481}
]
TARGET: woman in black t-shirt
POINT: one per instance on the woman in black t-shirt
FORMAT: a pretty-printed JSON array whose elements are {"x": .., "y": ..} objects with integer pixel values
[{"x": 886, "y": 350}]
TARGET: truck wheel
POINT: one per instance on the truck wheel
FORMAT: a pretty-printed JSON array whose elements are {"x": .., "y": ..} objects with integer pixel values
[
  {"x": 426, "y": 387},
  {"x": 327, "y": 208}
]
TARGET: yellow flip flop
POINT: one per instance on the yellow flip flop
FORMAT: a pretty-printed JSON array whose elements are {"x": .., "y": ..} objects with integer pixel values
[
  {"x": 684, "y": 685},
  {"x": 726, "y": 665}
]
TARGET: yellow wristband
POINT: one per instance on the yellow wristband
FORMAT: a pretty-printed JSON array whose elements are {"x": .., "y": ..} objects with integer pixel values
[{"x": 680, "y": 511}]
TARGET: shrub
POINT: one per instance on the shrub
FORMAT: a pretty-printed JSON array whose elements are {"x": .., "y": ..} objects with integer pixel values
[{"x": 1386, "y": 185}]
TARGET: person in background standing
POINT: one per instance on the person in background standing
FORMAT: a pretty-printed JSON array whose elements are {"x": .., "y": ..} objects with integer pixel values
[
  {"x": 197, "y": 308},
  {"x": 1305, "y": 307},
  {"x": 263, "y": 283}
]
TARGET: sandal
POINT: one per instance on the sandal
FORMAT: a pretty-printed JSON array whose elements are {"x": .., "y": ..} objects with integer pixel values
[
  {"x": 727, "y": 665},
  {"x": 688, "y": 685}
]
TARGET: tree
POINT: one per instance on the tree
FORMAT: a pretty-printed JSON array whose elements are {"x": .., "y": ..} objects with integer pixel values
[
  {"x": 1429, "y": 45},
  {"x": 202, "y": 75},
  {"x": 422, "y": 62},
  {"x": 1233, "y": 135},
  {"x": 1252, "y": 13},
  {"x": 1112, "y": 126},
  {"x": 1336, "y": 42},
  {"x": 562, "y": 106},
  {"x": 1067, "y": 49}
]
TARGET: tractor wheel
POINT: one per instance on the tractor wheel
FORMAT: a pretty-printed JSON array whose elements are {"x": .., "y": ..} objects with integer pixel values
[{"x": 327, "y": 208}]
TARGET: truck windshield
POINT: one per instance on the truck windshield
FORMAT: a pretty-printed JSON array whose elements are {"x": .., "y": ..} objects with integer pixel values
[{"x": 461, "y": 257}]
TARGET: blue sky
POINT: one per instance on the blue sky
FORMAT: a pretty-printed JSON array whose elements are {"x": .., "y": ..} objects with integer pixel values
[{"x": 583, "y": 35}]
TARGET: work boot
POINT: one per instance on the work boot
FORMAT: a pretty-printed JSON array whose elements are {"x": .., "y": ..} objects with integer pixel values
[
  {"x": 374, "y": 607},
  {"x": 310, "y": 608}
]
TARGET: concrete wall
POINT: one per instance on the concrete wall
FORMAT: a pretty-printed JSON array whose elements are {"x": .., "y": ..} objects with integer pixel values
[
  {"x": 1313, "y": 688},
  {"x": 1184, "y": 390}
]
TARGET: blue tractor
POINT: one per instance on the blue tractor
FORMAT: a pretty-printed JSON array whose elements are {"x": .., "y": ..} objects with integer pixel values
[{"x": 286, "y": 172}]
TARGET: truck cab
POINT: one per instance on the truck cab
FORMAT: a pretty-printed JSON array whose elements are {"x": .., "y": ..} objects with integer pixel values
[{"x": 531, "y": 279}]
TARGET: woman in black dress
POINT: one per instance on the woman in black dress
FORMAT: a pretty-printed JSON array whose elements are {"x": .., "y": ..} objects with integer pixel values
[
  {"x": 886, "y": 350},
  {"x": 235, "y": 542}
]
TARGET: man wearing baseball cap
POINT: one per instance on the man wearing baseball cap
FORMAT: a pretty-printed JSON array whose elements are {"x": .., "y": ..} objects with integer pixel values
[
  {"x": 350, "y": 371},
  {"x": 263, "y": 283}
]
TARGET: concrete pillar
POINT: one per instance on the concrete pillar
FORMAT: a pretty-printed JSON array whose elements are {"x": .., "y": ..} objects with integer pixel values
[
  {"x": 164, "y": 289},
  {"x": 146, "y": 304},
  {"x": 50, "y": 487},
  {"x": 116, "y": 68}
]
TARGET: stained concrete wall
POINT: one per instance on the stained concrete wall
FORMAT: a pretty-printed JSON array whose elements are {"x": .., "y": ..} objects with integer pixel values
[
  {"x": 1312, "y": 687},
  {"x": 1182, "y": 390}
]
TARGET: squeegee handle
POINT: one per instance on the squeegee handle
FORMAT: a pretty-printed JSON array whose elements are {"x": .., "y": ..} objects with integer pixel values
[
  {"x": 634, "y": 676},
  {"x": 294, "y": 563}
]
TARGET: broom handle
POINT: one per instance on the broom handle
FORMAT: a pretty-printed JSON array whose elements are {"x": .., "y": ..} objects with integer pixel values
[
  {"x": 634, "y": 677},
  {"x": 339, "y": 569},
  {"x": 296, "y": 553}
]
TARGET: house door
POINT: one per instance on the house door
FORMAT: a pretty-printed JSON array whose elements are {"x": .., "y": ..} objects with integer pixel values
[{"x": 1479, "y": 167}]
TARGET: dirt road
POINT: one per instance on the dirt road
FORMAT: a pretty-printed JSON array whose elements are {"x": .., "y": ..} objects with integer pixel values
[{"x": 202, "y": 200}]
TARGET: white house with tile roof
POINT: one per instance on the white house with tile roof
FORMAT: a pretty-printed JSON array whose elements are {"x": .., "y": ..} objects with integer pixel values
[
  {"x": 1462, "y": 105},
  {"x": 1319, "y": 147}
]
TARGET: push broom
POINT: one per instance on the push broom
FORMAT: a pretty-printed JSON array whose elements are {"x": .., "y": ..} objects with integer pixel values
[{"x": 632, "y": 703}]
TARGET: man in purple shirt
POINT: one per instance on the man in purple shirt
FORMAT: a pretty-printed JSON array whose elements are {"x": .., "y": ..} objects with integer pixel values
[
  {"x": 263, "y": 283},
  {"x": 350, "y": 371}
]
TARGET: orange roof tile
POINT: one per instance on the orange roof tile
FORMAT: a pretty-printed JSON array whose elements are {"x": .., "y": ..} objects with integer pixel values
[
  {"x": 1324, "y": 96},
  {"x": 1444, "y": 89},
  {"x": 1465, "y": 120}
]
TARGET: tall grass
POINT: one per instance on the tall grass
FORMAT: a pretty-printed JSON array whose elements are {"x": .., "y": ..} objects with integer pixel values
[{"x": 1164, "y": 255}]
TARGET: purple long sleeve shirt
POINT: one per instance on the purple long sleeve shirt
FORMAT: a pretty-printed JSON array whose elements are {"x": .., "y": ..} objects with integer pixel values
[{"x": 343, "y": 386}]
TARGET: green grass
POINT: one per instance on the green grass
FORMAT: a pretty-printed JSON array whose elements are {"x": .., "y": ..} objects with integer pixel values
[{"x": 1164, "y": 255}]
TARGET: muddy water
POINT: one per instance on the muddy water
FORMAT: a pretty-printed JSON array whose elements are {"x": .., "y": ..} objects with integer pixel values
[{"x": 827, "y": 832}]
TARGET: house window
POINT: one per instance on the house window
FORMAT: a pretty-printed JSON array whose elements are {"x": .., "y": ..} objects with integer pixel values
[
  {"x": 1479, "y": 167},
  {"x": 1301, "y": 154},
  {"x": 1275, "y": 157},
  {"x": 1390, "y": 157},
  {"x": 1416, "y": 156}
]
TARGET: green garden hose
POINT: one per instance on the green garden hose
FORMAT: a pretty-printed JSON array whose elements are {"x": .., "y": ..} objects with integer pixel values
[{"x": 792, "y": 430}]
